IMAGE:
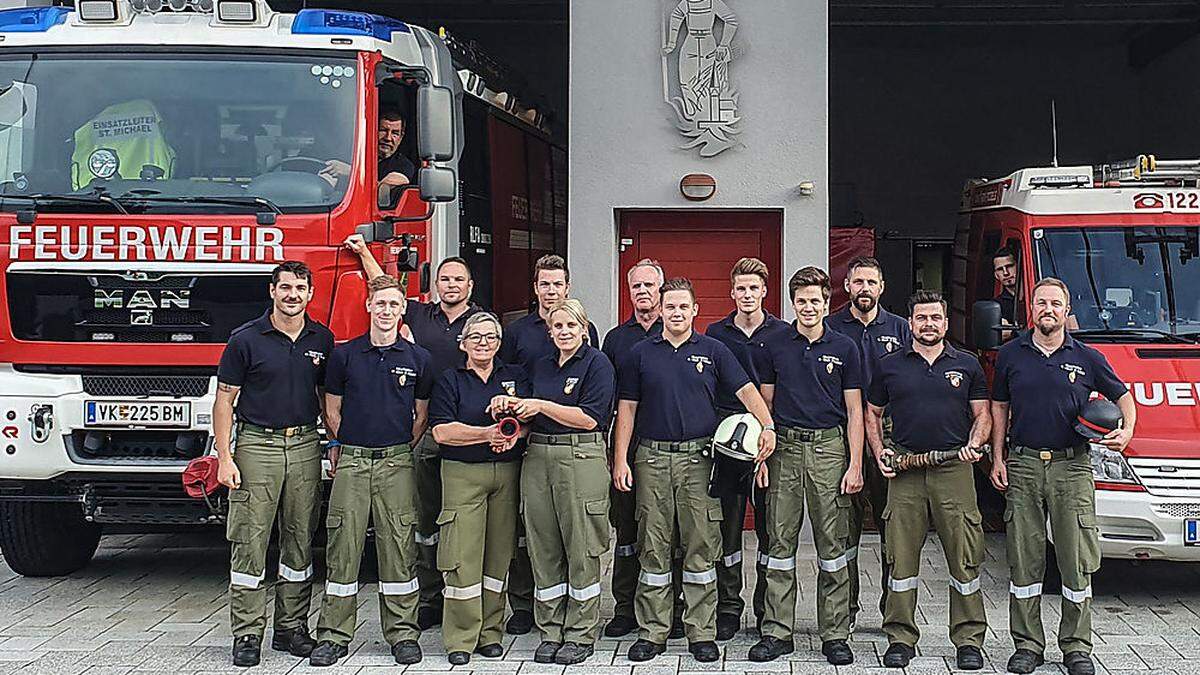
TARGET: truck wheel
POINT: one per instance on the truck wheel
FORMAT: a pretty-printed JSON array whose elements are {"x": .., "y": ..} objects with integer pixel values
[{"x": 46, "y": 539}]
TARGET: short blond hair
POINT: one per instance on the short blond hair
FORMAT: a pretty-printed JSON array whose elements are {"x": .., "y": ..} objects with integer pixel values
[
  {"x": 1056, "y": 283},
  {"x": 478, "y": 318},
  {"x": 382, "y": 283},
  {"x": 575, "y": 310}
]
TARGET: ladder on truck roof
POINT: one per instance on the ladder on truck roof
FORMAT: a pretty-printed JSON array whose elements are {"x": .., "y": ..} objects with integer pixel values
[{"x": 1149, "y": 170}]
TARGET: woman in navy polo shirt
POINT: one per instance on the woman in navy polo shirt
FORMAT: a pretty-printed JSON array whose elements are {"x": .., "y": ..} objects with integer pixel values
[
  {"x": 480, "y": 473},
  {"x": 564, "y": 485}
]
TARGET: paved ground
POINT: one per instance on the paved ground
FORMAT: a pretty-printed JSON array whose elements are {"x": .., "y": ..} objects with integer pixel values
[{"x": 156, "y": 603}]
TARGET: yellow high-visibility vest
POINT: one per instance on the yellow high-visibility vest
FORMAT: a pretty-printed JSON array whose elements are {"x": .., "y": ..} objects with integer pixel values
[{"x": 119, "y": 142}]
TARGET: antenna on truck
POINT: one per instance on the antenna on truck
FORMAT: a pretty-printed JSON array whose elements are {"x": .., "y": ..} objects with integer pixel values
[{"x": 1054, "y": 134}]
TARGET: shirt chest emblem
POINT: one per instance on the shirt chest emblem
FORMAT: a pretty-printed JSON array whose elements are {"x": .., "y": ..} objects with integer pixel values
[
  {"x": 831, "y": 362},
  {"x": 404, "y": 375},
  {"x": 1073, "y": 371},
  {"x": 890, "y": 342},
  {"x": 700, "y": 361},
  {"x": 955, "y": 378},
  {"x": 570, "y": 385},
  {"x": 316, "y": 356},
  {"x": 509, "y": 387}
]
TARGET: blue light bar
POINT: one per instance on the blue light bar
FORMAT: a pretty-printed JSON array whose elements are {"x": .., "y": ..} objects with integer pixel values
[
  {"x": 337, "y": 22},
  {"x": 32, "y": 19}
]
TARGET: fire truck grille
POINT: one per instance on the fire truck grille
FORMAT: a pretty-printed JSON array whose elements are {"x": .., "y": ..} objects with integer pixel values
[
  {"x": 146, "y": 385},
  {"x": 1168, "y": 477},
  {"x": 1178, "y": 510},
  {"x": 118, "y": 447},
  {"x": 46, "y": 306}
]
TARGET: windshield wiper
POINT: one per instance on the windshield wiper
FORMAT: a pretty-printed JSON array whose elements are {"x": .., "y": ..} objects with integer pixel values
[
  {"x": 141, "y": 196},
  {"x": 1128, "y": 332},
  {"x": 84, "y": 200}
]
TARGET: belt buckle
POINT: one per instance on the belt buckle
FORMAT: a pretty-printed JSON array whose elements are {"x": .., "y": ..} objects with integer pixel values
[
  {"x": 1045, "y": 455},
  {"x": 378, "y": 454}
]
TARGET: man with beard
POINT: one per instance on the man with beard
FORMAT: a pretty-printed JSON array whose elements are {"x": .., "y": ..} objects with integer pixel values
[
  {"x": 395, "y": 170},
  {"x": 274, "y": 368},
  {"x": 745, "y": 331},
  {"x": 1043, "y": 379},
  {"x": 877, "y": 332},
  {"x": 643, "y": 280},
  {"x": 939, "y": 400}
]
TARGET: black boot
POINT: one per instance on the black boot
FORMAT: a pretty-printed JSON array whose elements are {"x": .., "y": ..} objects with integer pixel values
[
  {"x": 705, "y": 652},
  {"x": 295, "y": 641},
  {"x": 620, "y": 626},
  {"x": 644, "y": 650},
  {"x": 407, "y": 652},
  {"x": 520, "y": 623},
  {"x": 898, "y": 655},
  {"x": 572, "y": 653},
  {"x": 1078, "y": 663},
  {"x": 247, "y": 650},
  {"x": 969, "y": 657},
  {"x": 837, "y": 652},
  {"x": 1024, "y": 661},
  {"x": 327, "y": 654},
  {"x": 728, "y": 626},
  {"x": 770, "y": 648}
]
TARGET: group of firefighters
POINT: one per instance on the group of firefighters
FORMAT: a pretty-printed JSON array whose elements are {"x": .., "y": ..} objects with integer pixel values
[{"x": 483, "y": 457}]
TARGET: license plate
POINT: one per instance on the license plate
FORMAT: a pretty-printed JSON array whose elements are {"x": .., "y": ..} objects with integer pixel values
[
  {"x": 1191, "y": 532},
  {"x": 137, "y": 414}
]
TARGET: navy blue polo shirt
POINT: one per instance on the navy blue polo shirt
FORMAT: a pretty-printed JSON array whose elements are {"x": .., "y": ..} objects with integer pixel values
[
  {"x": 527, "y": 340},
  {"x": 676, "y": 388},
  {"x": 460, "y": 396},
  {"x": 437, "y": 334},
  {"x": 749, "y": 350},
  {"x": 619, "y": 341},
  {"x": 379, "y": 387},
  {"x": 1046, "y": 393},
  {"x": 810, "y": 378},
  {"x": 278, "y": 377},
  {"x": 930, "y": 403},
  {"x": 586, "y": 381},
  {"x": 886, "y": 334}
]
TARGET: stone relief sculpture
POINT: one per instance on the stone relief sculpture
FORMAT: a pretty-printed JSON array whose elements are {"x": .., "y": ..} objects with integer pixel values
[{"x": 701, "y": 95}]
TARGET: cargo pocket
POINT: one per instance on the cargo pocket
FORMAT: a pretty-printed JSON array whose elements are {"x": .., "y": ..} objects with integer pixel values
[
  {"x": 447, "y": 554},
  {"x": 843, "y": 515},
  {"x": 972, "y": 538},
  {"x": 240, "y": 526},
  {"x": 1089, "y": 543},
  {"x": 888, "y": 542},
  {"x": 597, "y": 527}
]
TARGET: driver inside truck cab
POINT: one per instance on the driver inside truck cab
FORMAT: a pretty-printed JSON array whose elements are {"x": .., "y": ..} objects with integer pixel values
[{"x": 395, "y": 169}]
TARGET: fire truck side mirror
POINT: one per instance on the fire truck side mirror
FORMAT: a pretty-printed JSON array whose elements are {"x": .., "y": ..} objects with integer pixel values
[
  {"x": 438, "y": 184},
  {"x": 986, "y": 324},
  {"x": 435, "y": 123}
]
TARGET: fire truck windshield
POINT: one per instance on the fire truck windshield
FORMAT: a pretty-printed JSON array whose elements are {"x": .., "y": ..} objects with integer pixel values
[
  {"x": 1140, "y": 281},
  {"x": 189, "y": 133}
]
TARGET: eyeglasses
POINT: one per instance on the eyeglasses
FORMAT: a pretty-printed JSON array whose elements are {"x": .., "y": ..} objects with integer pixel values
[{"x": 482, "y": 338}]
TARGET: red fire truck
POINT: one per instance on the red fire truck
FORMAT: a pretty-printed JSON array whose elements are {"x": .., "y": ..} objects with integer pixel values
[
  {"x": 1125, "y": 237},
  {"x": 157, "y": 159}
]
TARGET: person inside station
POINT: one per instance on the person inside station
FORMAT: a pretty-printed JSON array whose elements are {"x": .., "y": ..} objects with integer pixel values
[
  {"x": 1004, "y": 266},
  {"x": 395, "y": 168}
]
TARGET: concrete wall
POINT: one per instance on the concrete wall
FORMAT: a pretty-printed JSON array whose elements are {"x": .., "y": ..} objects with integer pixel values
[{"x": 624, "y": 150}]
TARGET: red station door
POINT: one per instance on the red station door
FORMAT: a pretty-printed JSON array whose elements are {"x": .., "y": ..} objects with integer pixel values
[{"x": 702, "y": 245}]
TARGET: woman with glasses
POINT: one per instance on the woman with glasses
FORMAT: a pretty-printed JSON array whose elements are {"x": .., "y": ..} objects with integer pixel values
[
  {"x": 564, "y": 485},
  {"x": 480, "y": 472}
]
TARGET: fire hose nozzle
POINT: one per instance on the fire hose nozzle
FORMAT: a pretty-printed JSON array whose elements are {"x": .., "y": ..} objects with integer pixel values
[{"x": 510, "y": 427}]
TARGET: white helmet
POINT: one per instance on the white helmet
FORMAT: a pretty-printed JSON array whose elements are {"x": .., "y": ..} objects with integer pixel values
[{"x": 737, "y": 437}]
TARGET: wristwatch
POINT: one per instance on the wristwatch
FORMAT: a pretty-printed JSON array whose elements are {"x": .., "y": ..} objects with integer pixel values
[{"x": 769, "y": 427}]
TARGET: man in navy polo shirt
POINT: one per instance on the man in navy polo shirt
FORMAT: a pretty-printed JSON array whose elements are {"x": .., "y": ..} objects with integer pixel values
[
  {"x": 877, "y": 332},
  {"x": 274, "y": 368},
  {"x": 814, "y": 380},
  {"x": 377, "y": 399},
  {"x": 745, "y": 331},
  {"x": 667, "y": 390},
  {"x": 643, "y": 281},
  {"x": 939, "y": 400},
  {"x": 1043, "y": 379},
  {"x": 526, "y": 341},
  {"x": 436, "y": 326}
]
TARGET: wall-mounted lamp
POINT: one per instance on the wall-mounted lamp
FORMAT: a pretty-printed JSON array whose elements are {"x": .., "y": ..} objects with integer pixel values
[
  {"x": 698, "y": 187},
  {"x": 806, "y": 188}
]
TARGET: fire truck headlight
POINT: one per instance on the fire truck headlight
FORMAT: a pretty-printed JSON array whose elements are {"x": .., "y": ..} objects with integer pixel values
[
  {"x": 98, "y": 10},
  {"x": 1109, "y": 466},
  {"x": 236, "y": 11}
]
